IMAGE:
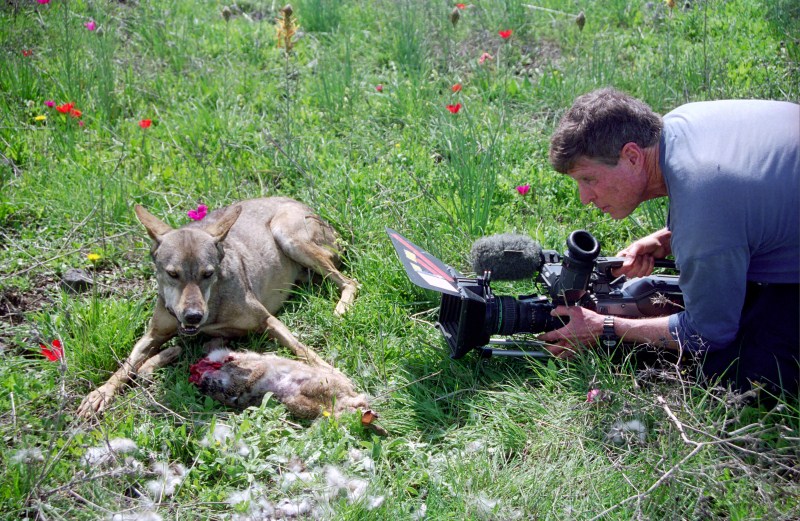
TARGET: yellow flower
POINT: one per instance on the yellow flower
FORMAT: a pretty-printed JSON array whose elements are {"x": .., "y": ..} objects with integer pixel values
[
  {"x": 326, "y": 413},
  {"x": 93, "y": 257},
  {"x": 40, "y": 118}
]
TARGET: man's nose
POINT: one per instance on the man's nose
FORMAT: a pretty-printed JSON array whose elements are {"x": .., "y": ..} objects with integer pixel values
[{"x": 586, "y": 195}]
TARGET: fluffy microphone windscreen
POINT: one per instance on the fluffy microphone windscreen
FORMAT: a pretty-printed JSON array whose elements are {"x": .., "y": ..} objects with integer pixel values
[{"x": 508, "y": 256}]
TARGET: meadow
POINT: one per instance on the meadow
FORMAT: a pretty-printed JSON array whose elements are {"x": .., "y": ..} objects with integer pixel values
[{"x": 428, "y": 117}]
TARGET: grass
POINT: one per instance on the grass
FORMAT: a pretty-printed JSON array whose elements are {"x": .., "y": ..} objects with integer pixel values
[{"x": 234, "y": 116}]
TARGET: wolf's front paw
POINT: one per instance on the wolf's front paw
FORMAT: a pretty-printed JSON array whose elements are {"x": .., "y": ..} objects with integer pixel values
[{"x": 96, "y": 402}]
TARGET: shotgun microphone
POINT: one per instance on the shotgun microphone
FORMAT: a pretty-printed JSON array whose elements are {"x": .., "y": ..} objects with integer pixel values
[{"x": 508, "y": 256}]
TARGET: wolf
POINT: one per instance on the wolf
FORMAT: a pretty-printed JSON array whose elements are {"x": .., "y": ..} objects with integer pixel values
[{"x": 226, "y": 276}]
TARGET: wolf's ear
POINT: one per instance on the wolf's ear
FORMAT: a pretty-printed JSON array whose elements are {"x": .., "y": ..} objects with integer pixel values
[
  {"x": 155, "y": 227},
  {"x": 220, "y": 228}
]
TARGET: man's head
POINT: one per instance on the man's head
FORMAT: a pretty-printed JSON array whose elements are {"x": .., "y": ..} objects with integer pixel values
[
  {"x": 606, "y": 143},
  {"x": 598, "y": 125}
]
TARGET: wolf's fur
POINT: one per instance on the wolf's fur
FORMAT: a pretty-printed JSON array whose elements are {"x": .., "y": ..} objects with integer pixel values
[{"x": 226, "y": 276}]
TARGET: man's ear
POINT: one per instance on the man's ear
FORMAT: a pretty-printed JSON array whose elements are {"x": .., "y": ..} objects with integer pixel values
[
  {"x": 220, "y": 228},
  {"x": 632, "y": 153},
  {"x": 155, "y": 227}
]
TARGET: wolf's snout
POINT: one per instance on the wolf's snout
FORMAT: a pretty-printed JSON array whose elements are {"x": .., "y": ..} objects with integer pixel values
[{"x": 193, "y": 317}]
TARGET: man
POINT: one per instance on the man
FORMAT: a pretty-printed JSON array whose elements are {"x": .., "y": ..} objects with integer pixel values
[{"x": 731, "y": 171}]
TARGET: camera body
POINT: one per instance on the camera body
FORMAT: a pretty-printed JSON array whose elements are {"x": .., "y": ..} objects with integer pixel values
[{"x": 471, "y": 316}]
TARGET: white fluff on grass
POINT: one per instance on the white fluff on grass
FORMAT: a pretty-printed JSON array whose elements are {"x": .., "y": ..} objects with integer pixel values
[
  {"x": 136, "y": 516},
  {"x": 491, "y": 508},
  {"x": 420, "y": 512},
  {"x": 27, "y": 456},
  {"x": 357, "y": 456},
  {"x": 337, "y": 485},
  {"x": 106, "y": 453},
  {"x": 291, "y": 508},
  {"x": 171, "y": 476},
  {"x": 261, "y": 509},
  {"x": 222, "y": 434},
  {"x": 355, "y": 489},
  {"x": 633, "y": 430},
  {"x": 289, "y": 478}
]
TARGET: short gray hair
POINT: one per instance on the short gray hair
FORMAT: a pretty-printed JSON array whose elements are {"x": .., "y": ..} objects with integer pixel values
[{"x": 599, "y": 124}]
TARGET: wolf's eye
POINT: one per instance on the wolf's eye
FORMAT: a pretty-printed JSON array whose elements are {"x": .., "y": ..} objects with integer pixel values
[
  {"x": 172, "y": 273},
  {"x": 207, "y": 274}
]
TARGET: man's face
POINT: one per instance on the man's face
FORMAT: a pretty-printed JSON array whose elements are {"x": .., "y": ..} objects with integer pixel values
[{"x": 616, "y": 190}]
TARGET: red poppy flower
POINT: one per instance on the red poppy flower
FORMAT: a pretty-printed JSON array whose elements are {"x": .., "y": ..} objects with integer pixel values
[
  {"x": 75, "y": 113},
  {"x": 454, "y": 108},
  {"x": 456, "y": 87},
  {"x": 26, "y": 52},
  {"x": 55, "y": 353},
  {"x": 379, "y": 87},
  {"x": 66, "y": 108},
  {"x": 145, "y": 123},
  {"x": 461, "y": 6},
  {"x": 505, "y": 35}
]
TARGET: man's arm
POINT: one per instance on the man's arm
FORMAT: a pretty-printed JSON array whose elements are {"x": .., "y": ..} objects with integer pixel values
[
  {"x": 586, "y": 326},
  {"x": 641, "y": 255}
]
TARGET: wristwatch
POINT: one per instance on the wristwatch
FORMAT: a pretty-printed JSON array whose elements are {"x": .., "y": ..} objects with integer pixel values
[{"x": 609, "y": 338}]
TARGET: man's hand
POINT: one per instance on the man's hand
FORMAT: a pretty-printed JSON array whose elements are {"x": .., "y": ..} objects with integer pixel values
[
  {"x": 584, "y": 328},
  {"x": 640, "y": 257}
]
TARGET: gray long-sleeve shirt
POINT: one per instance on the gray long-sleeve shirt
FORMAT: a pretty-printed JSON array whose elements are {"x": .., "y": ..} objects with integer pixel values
[{"x": 732, "y": 170}]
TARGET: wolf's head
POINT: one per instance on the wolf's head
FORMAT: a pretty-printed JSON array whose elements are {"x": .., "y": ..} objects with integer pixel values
[{"x": 188, "y": 263}]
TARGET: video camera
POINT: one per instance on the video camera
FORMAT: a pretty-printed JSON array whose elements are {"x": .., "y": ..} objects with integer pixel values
[{"x": 470, "y": 314}]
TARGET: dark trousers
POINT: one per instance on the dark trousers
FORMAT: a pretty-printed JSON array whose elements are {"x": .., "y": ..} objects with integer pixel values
[{"x": 767, "y": 347}]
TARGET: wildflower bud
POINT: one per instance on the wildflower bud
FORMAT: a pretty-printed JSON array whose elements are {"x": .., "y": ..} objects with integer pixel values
[
  {"x": 580, "y": 20},
  {"x": 287, "y": 10},
  {"x": 670, "y": 3},
  {"x": 226, "y": 13},
  {"x": 455, "y": 15}
]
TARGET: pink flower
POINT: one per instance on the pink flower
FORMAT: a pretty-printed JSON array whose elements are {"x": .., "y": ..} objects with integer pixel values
[
  {"x": 592, "y": 395},
  {"x": 456, "y": 87},
  {"x": 485, "y": 56},
  {"x": 505, "y": 35},
  {"x": 43, "y": 1},
  {"x": 523, "y": 189},
  {"x": 50, "y": 103},
  {"x": 379, "y": 87},
  {"x": 197, "y": 215},
  {"x": 454, "y": 108},
  {"x": 26, "y": 52},
  {"x": 90, "y": 25},
  {"x": 55, "y": 353}
]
